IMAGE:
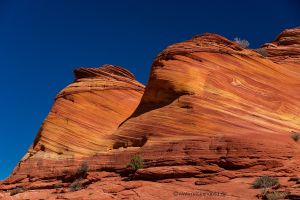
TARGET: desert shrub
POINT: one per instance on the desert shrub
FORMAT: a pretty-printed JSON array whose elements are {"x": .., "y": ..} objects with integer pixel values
[
  {"x": 17, "y": 190},
  {"x": 262, "y": 52},
  {"x": 76, "y": 185},
  {"x": 83, "y": 169},
  {"x": 275, "y": 195},
  {"x": 295, "y": 136},
  {"x": 55, "y": 186},
  {"x": 136, "y": 162},
  {"x": 264, "y": 182},
  {"x": 242, "y": 43}
]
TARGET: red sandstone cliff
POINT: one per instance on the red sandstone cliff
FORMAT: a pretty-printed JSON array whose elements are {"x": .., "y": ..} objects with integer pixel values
[{"x": 212, "y": 118}]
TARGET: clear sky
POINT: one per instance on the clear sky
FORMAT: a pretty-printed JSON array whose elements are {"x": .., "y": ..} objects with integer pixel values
[{"x": 42, "y": 41}]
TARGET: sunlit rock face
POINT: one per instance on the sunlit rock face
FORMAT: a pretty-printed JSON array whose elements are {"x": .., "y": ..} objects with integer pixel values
[
  {"x": 286, "y": 47},
  {"x": 213, "y": 117},
  {"x": 87, "y": 111},
  {"x": 210, "y": 88}
]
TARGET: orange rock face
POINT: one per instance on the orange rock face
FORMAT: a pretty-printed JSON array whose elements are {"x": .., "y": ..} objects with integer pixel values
[
  {"x": 213, "y": 117},
  {"x": 87, "y": 111},
  {"x": 286, "y": 47},
  {"x": 222, "y": 104}
]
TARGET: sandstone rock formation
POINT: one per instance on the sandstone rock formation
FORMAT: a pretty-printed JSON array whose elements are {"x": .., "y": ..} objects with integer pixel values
[
  {"x": 285, "y": 49},
  {"x": 212, "y": 118},
  {"x": 87, "y": 111}
]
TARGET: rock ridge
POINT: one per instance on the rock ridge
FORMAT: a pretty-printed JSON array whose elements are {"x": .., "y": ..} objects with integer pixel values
[{"x": 212, "y": 118}]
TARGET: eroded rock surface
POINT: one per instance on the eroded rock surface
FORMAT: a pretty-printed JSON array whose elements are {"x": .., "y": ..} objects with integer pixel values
[
  {"x": 87, "y": 111},
  {"x": 212, "y": 118}
]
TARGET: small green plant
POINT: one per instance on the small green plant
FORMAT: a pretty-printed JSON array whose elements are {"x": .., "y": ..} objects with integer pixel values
[
  {"x": 76, "y": 185},
  {"x": 136, "y": 162},
  {"x": 265, "y": 182},
  {"x": 262, "y": 52},
  {"x": 83, "y": 169},
  {"x": 295, "y": 136},
  {"x": 56, "y": 186},
  {"x": 17, "y": 190},
  {"x": 274, "y": 195}
]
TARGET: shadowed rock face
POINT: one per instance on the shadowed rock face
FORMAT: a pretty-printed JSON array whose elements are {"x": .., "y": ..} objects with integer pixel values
[{"x": 212, "y": 118}]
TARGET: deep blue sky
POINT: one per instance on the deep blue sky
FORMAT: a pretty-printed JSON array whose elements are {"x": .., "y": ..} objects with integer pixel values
[{"x": 42, "y": 41}]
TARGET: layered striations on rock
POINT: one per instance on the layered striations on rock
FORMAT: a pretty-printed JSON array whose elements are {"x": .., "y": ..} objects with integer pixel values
[
  {"x": 286, "y": 47},
  {"x": 213, "y": 117},
  {"x": 210, "y": 88},
  {"x": 87, "y": 111}
]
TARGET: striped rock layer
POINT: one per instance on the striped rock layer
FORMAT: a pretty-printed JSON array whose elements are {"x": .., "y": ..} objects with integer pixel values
[
  {"x": 87, "y": 111},
  {"x": 211, "y": 88},
  {"x": 213, "y": 116}
]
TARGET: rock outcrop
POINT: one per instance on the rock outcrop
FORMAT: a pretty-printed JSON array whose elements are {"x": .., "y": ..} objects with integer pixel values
[
  {"x": 81, "y": 120},
  {"x": 212, "y": 118},
  {"x": 86, "y": 112},
  {"x": 286, "y": 47}
]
